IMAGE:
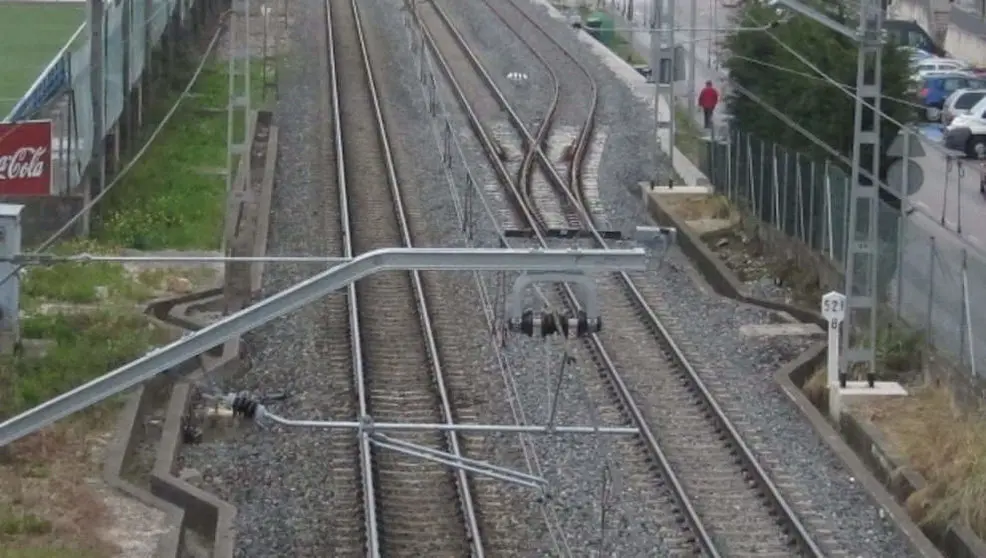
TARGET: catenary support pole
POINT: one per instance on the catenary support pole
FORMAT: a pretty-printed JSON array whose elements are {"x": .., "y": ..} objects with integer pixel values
[
  {"x": 673, "y": 51},
  {"x": 97, "y": 82},
  {"x": 693, "y": 59},
  {"x": 863, "y": 254}
]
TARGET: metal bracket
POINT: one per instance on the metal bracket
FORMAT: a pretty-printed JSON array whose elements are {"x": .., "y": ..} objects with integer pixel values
[{"x": 527, "y": 322}]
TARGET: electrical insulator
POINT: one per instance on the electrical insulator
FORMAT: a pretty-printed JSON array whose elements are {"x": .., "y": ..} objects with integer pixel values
[
  {"x": 244, "y": 407},
  {"x": 548, "y": 323}
]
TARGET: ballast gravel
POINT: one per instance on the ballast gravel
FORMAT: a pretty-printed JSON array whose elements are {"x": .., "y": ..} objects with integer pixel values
[{"x": 277, "y": 481}]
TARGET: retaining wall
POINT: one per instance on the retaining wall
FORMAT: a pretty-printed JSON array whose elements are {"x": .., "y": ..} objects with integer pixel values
[{"x": 189, "y": 509}]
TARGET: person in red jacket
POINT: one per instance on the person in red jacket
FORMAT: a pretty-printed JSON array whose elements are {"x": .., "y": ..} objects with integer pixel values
[{"x": 708, "y": 98}]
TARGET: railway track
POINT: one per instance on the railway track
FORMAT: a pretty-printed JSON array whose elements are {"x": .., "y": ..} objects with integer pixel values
[
  {"x": 409, "y": 507},
  {"x": 729, "y": 505},
  {"x": 566, "y": 100}
]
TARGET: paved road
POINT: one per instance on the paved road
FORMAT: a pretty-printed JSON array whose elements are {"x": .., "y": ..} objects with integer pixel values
[{"x": 948, "y": 207}]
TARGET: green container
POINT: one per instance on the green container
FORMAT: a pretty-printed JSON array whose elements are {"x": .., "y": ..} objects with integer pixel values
[{"x": 600, "y": 25}]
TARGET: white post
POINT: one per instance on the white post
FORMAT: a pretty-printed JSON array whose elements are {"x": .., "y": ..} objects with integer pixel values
[
  {"x": 833, "y": 310},
  {"x": 10, "y": 245}
]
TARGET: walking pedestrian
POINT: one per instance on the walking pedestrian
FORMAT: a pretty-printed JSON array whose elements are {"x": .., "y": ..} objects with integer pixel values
[{"x": 708, "y": 98}]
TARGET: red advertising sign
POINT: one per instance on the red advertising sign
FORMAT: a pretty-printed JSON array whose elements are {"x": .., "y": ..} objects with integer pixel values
[{"x": 25, "y": 158}]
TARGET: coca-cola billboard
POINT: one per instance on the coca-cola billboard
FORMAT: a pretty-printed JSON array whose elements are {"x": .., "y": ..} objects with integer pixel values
[{"x": 25, "y": 158}]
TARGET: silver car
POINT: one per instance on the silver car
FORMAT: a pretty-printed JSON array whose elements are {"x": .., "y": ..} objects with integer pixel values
[{"x": 960, "y": 102}]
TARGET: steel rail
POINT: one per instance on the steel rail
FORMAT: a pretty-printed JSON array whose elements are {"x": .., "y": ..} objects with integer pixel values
[
  {"x": 520, "y": 202},
  {"x": 571, "y": 200},
  {"x": 515, "y": 118},
  {"x": 468, "y": 508},
  {"x": 365, "y": 451},
  {"x": 800, "y": 533},
  {"x": 588, "y": 125},
  {"x": 516, "y": 196},
  {"x": 704, "y": 539}
]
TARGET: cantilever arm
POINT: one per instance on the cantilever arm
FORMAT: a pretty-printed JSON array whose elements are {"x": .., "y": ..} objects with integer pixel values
[{"x": 387, "y": 259}]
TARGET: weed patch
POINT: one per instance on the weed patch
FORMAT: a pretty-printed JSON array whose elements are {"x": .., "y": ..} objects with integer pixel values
[
  {"x": 170, "y": 198},
  {"x": 78, "y": 347},
  {"x": 948, "y": 450},
  {"x": 175, "y": 196},
  {"x": 46, "y": 507},
  {"x": 688, "y": 136}
]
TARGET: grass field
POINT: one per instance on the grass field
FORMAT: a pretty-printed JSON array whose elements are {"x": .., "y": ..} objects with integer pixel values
[{"x": 31, "y": 34}]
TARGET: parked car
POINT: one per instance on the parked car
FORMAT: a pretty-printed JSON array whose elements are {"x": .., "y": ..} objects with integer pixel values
[
  {"x": 967, "y": 132},
  {"x": 960, "y": 102},
  {"x": 917, "y": 55},
  {"x": 939, "y": 65},
  {"x": 935, "y": 88}
]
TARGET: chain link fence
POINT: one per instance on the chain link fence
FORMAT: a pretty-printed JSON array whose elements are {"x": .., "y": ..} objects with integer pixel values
[{"x": 931, "y": 280}]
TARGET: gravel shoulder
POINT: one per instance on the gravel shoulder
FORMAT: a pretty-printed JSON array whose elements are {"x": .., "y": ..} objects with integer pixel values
[
  {"x": 277, "y": 479},
  {"x": 738, "y": 368}
]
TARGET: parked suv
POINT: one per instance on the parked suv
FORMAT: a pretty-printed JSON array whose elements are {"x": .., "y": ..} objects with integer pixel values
[
  {"x": 934, "y": 89},
  {"x": 967, "y": 132},
  {"x": 959, "y": 103}
]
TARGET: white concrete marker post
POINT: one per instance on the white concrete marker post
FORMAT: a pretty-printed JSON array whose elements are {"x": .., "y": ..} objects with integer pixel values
[{"x": 833, "y": 310}]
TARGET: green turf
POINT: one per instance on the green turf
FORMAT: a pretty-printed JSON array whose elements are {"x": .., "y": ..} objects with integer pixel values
[{"x": 31, "y": 34}]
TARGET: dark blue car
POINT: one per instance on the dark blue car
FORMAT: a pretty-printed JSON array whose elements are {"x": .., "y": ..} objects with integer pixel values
[{"x": 934, "y": 89}]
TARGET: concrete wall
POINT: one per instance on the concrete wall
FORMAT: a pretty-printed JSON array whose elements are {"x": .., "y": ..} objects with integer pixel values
[
  {"x": 914, "y": 11},
  {"x": 965, "y": 37},
  {"x": 964, "y": 30}
]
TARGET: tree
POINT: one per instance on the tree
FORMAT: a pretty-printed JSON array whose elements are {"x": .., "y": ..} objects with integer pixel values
[{"x": 758, "y": 63}]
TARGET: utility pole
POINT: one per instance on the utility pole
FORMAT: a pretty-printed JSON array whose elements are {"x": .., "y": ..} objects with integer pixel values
[
  {"x": 693, "y": 39},
  {"x": 663, "y": 70},
  {"x": 97, "y": 82},
  {"x": 713, "y": 59},
  {"x": 862, "y": 256},
  {"x": 862, "y": 242},
  {"x": 237, "y": 144}
]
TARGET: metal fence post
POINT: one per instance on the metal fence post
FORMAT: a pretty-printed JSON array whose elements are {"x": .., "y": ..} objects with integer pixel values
[
  {"x": 785, "y": 193},
  {"x": 967, "y": 311},
  {"x": 749, "y": 173},
  {"x": 931, "y": 290},
  {"x": 799, "y": 203},
  {"x": 775, "y": 190},
  {"x": 828, "y": 211},
  {"x": 763, "y": 176},
  {"x": 729, "y": 165},
  {"x": 737, "y": 156}
]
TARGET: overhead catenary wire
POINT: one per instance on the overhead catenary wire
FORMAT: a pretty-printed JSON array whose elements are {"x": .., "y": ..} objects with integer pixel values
[
  {"x": 845, "y": 160},
  {"x": 817, "y": 78}
]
